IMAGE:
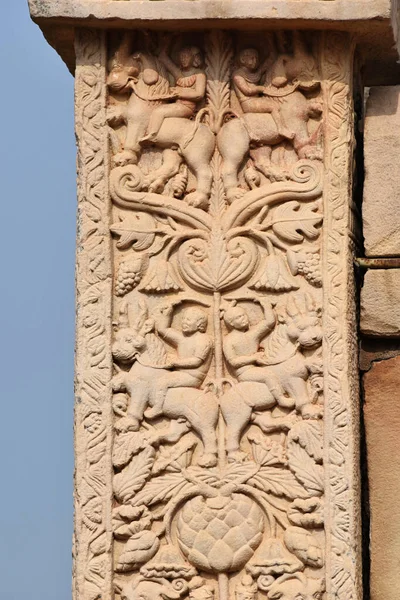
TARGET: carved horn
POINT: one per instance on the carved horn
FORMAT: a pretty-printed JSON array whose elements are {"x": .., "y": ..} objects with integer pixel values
[
  {"x": 124, "y": 50},
  {"x": 309, "y": 301},
  {"x": 291, "y": 307},
  {"x": 123, "y": 319}
]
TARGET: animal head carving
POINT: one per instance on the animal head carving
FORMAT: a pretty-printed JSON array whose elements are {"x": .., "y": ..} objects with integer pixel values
[
  {"x": 130, "y": 338},
  {"x": 302, "y": 319},
  {"x": 296, "y": 587}
]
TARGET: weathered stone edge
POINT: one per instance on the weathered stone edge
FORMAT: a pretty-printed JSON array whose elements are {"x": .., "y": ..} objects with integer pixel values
[{"x": 98, "y": 11}]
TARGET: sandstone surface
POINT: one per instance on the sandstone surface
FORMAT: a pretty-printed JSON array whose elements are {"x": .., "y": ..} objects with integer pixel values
[
  {"x": 382, "y": 421},
  {"x": 381, "y": 202},
  {"x": 380, "y": 303}
]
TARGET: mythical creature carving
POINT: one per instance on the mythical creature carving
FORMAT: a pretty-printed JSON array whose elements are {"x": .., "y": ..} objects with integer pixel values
[{"x": 217, "y": 395}]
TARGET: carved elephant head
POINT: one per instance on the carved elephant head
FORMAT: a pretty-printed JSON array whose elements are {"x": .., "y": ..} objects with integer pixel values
[
  {"x": 150, "y": 589},
  {"x": 296, "y": 587}
]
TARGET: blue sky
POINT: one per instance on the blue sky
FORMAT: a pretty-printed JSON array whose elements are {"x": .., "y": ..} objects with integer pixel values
[{"x": 37, "y": 312}]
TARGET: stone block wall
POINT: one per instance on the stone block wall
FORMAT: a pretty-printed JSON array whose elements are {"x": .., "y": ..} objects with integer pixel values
[{"x": 380, "y": 337}]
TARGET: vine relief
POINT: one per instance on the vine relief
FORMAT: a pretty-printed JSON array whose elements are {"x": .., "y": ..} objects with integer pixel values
[{"x": 215, "y": 177}]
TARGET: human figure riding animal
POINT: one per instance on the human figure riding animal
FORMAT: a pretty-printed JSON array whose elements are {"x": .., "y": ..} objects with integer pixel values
[
  {"x": 270, "y": 107},
  {"x": 163, "y": 115},
  {"x": 159, "y": 386}
]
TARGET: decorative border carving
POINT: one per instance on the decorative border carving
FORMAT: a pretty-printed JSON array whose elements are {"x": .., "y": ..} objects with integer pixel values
[
  {"x": 92, "y": 537},
  {"x": 339, "y": 325}
]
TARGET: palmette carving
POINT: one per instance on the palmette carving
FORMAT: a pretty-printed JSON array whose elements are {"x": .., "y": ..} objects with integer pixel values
[{"x": 218, "y": 452}]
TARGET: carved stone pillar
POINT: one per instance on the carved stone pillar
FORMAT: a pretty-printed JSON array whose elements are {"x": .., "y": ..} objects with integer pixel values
[{"x": 216, "y": 389}]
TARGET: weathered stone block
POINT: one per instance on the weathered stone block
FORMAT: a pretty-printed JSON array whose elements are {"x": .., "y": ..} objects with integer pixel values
[
  {"x": 380, "y": 303},
  {"x": 381, "y": 214},
  {"x": 382, "y": 420}
]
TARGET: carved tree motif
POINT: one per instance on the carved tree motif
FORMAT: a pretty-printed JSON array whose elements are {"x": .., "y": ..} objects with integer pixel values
[{"x": 216, "y": 182}]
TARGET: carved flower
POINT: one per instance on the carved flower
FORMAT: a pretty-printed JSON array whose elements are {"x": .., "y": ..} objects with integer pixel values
[
  {"x": 273, "y": 558},
  {"x": 306, "y": 512},
  {"x": 140, "y": 548},
  {"x": 168, "y": 563},
  {"x": 274, "y": 275},
  {"x": 92, "y": 513},
  {"x": 220, "y": 534},
  {"x": 160, "y": 278}
]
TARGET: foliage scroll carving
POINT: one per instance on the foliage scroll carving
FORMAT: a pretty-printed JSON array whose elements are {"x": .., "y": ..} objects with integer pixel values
[{"x": 219, "y": 153}]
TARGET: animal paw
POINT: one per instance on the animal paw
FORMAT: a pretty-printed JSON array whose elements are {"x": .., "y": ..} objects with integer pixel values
[
  {"x": 197, "y": 200},
  {"x": 152, "y": 413},
  {"x": 311, "y": 411},
  {"x": 237, "y": 456},
  {"x": 126, "y": 157},
  {"x": 207, "y": 460},
  {"x": 157, "y": 186},
  {"x": 126, "y": 424},
  {"x": 285, "y": 402},
  {"x": 234, "y": 194},
  {"x": 310, "y": 153}
]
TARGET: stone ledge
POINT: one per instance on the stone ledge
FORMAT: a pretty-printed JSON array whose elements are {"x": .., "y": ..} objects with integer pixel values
[
  {"x": 373, "y": 21},
  {"x": 315, "y": 10}
]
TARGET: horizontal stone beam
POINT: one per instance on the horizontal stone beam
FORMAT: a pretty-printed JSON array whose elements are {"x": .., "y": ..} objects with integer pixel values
[
  {"x": 345, "y": 11},
  {"x": 374, "y": 22}
]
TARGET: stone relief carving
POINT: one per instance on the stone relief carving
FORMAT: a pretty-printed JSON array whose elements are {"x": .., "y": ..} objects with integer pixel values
[
  {"x": 218, "y": 402},
  {"x": 93, "y": 477},
  {"x": 219, "y": 386}
]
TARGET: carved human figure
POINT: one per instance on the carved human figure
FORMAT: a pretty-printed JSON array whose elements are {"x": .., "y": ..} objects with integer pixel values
[
  {"x": 254, "y": 97},
  {"x": 189, "y": 90},
  {"x": 242, "y": 349},
  {"x": 246, "y": 589},
  {"x": 194, "y": 352},
  {"x": 157, "y": 113}
]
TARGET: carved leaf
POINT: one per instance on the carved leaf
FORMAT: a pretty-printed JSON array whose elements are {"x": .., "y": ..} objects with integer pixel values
[
  {"x": 279, "y": 482},
  {"x": 217, "y": 265},
  {"x": 136, "y": 230},
  {"x": 140, "y": 548},
  {"x": 125, "y": 446},
  {"x": 178, "y": 457},
  {"x": 161, "y": 489},
  {"x": 309, "y": 435},
  {"x": 134, "y": 476},
  {"x": 293, "y": 221},
  {"x": 218, "y": 61},
  {"x": 305, "y": 469}
]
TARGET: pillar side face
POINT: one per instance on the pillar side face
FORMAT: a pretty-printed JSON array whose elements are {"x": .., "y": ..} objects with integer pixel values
[{"x": 217, "y": 401}]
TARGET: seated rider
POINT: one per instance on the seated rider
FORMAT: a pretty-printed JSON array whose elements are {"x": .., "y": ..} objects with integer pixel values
[
  {"x": 194, "y": 348},
  {"x": 251, "y": 95},
  {"x": 189, "y": 90},
  {"x": 242, "y": 349}
]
